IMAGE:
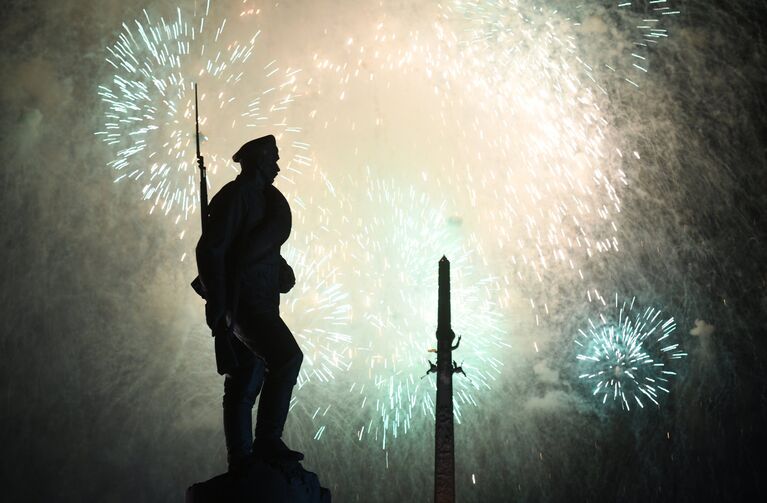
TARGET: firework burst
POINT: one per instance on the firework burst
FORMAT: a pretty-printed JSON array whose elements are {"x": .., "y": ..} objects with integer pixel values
[
  {"x": 396, "y": 239},
  {"x": 628, "y": 354},
  {"x": 149, "y": 117}
]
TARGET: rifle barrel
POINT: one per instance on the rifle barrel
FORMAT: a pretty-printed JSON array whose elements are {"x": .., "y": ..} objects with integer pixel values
[
  {"x": 203, "y": 178},
  {"x": 196, "y": 121}
]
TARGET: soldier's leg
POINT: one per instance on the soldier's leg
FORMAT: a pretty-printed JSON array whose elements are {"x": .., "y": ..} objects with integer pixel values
[
  {"x": 240, "y": 392},
  {"x": 267, "y": 335},
  {"x": 283, "y": 363}
]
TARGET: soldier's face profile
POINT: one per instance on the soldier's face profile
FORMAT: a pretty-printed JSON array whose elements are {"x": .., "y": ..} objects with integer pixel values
[
  {"x": 266, "y": 166},
  {"x": 269, "y": 168}
]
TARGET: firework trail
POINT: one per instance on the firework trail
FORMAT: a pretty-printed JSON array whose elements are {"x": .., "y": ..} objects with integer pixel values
[
  {"x": 149, "y": 101},
  {"x": 627, "y": 355}
]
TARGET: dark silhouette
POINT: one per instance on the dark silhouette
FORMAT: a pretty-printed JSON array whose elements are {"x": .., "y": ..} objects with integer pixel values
[
  {"x": 241, "y": 277},
  {"x": 444, "y": 443},
  {"x": 261, "y": 482}
]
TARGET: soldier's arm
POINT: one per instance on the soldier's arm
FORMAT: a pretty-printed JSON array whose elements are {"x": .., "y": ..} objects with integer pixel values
[{"x": 226, "y": 215}]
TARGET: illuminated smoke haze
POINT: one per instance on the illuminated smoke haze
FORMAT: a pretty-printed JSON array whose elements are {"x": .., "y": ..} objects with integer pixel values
[{"x": 550, "y": 150}]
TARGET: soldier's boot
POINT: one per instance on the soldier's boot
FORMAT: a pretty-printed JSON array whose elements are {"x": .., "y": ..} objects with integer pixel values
[
  {"x": 273, "y": 412},
  {"x": 274, "y": 449}
]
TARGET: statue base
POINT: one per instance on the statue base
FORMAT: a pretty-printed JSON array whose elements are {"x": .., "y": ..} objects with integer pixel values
[{"x": 262, "y": 481}]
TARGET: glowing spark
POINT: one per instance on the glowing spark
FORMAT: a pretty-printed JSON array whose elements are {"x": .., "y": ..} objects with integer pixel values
[{"x": 627, "y": 355}]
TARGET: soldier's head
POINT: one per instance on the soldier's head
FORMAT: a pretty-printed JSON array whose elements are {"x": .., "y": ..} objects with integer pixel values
[{"x": 259, "y": 155}]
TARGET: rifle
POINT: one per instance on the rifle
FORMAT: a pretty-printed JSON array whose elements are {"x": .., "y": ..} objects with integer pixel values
[
  {"x": 226, "y": 359},
  {"x": 197, "y": 283}
]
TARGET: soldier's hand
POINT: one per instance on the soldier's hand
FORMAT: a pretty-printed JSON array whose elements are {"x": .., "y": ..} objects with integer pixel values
[
  {"x": 220, "y": 327},
  {"x": 200, "y": 162},
  {"x": 226, "y": 359}
]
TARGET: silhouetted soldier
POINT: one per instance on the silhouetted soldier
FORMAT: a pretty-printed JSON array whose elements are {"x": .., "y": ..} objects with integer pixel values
[{"x": 243, "y": 273}]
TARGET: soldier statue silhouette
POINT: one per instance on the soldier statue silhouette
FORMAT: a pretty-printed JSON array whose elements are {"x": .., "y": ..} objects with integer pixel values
[{"x": 241, "y": 275}]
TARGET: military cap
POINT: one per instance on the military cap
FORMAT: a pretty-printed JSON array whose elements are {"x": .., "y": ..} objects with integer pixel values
[{"x": 257, "y": 149}]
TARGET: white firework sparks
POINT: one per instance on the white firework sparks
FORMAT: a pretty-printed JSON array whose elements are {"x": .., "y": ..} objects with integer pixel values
[
  {"x": 149, "y": 120},
  {"x": 628, "y": 354}
]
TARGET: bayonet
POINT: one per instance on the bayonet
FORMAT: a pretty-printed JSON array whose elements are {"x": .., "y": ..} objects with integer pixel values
[{"x": 201, "y": 165}]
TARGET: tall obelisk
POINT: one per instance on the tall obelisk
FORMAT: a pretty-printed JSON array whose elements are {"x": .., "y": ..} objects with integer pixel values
[{"x": 444, "y": 445}]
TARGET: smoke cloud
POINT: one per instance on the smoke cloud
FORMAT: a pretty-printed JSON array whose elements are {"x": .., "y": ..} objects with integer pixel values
[{"x": 108, "y": 386}]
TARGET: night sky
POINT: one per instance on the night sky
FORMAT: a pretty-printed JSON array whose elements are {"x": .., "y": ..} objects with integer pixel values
[{"x": 562, "y": 167}]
